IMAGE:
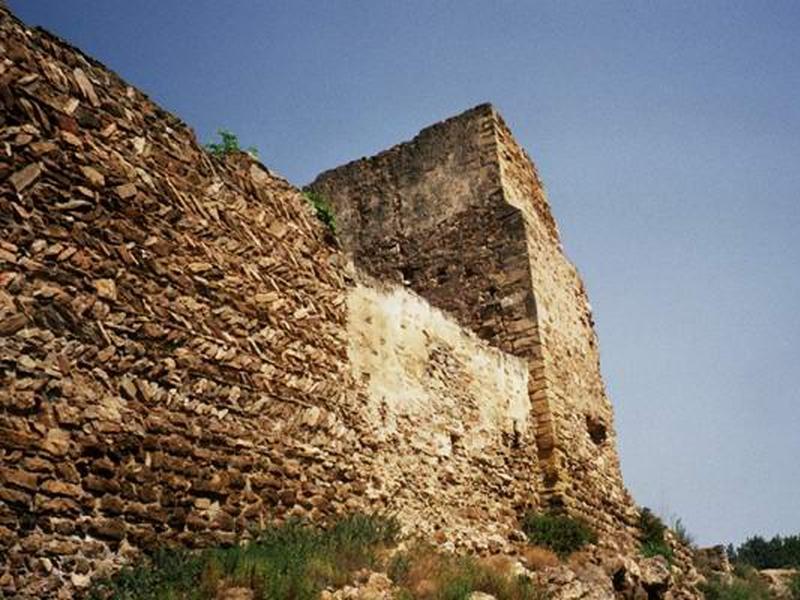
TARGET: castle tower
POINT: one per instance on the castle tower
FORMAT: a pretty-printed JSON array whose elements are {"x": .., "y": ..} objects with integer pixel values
[{"x": 459, "y": 215}]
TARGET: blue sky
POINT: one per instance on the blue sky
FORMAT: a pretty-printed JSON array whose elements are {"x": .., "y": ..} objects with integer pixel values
[{"x": 668, "y": 136}]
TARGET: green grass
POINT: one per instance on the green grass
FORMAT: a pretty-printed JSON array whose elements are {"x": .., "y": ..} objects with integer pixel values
[
  {"x": 292, "y": 561},
  {"x": 653, "y": 541},
  {"x": 297, "y": 560},
  {"x": 735, "y": 590},
  {"x": 794, "y": 587},
  {"x": 559, "y": 532},
  {"x": 682, "y": 533},
  {"x": 745, "y": 585},
  {"x": 655, "y": 548}
]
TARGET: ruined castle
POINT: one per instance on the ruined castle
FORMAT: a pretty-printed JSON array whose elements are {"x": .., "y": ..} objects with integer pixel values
[
  {"x": 459, "y": 215},
  {"x": 185, "y": 353}
]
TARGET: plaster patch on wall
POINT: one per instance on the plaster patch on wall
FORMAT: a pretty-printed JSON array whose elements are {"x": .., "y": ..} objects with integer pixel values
[{"x": 420, "y": 366}]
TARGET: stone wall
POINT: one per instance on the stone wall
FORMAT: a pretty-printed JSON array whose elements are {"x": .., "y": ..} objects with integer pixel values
[
  {"x": 178, "y": 355},
  {"x": 173, "y": 346},
  {"x": 405, "y": 213},
  {"x": 459, "y": 215},
  {"x": 186, "y": 353},
  {"x": 431, "y": 214},
  {"x": 454, "y": 409}
]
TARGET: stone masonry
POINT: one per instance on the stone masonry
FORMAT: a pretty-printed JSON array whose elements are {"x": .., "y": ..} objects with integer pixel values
[
  {"x": 459, "y": 215},
  {"x": 186, "y": 353},
  {"x": 173, "y": 346}
]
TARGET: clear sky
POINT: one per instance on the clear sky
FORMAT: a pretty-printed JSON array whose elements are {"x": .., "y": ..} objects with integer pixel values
[{"x": 668, "y": 136}]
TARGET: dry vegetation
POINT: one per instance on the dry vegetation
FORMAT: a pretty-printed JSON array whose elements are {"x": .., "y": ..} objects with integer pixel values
[
  {"x": 425, "y": 574},
  {"x": 536, "y": 558},
  {"x": 298, "y": 561}
]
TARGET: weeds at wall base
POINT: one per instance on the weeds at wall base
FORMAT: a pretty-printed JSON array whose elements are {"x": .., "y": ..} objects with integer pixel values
[
  {"x": 794, "y": 587},
  {"x": 421, "y": 573},
  {"x": 745, "y": 585},
  {"x": 296, "y": 561}
]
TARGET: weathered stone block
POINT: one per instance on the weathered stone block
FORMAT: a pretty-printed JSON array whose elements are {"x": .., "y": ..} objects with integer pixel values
[
  {"x": 61, "y": 488},
  {"x": 101, "y": 485},
  {"x": 56, "y": 506},
  {"x": 107, "y": 529},
  {"x": 14, "y": 497},
  {"x": 21, "y": 479}
]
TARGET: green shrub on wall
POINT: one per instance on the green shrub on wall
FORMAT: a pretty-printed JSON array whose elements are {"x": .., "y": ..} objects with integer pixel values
[
  {"x": 322, "y": 209},
  {"x": 559, "y": 532},
  {"x": 653, "y": 541},
  {"x": 682, "y": 533},
  {"x": 228, "y": 144}
]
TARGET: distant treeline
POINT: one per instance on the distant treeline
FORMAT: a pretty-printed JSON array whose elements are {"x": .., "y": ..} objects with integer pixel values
[{"x": 777, "y": 553}]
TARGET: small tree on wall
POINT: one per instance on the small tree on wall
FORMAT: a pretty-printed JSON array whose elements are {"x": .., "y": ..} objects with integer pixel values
[{"x": 228, "y": 144}]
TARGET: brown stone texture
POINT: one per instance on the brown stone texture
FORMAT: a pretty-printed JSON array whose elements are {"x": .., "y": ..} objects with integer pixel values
[
  {"x": 177, "y": 356},
  {"x": 168, "y": 322},
  {"x": 186, "y": 353},
  {"x": 459, "y": 215},
  {"x": 585, "y": 454}
]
